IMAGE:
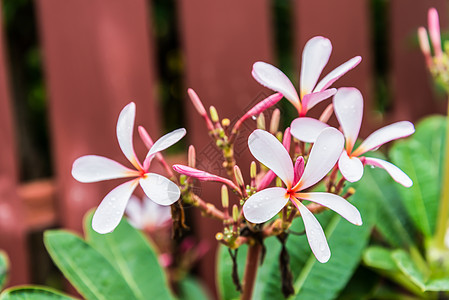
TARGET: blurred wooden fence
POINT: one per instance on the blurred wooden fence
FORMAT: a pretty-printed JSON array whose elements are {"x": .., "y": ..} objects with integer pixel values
[{"x": 98, "y": 55}]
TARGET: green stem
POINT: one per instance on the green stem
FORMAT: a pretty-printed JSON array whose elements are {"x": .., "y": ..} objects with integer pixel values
[{"x": 443, "y": 215}]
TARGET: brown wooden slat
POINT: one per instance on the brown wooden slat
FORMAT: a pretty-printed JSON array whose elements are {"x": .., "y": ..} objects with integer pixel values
[
  {"x": 413, "y": 91},
  {"x": 12, "y": 225},
  {"x": 221, "y": 41},
  {"x": 346, "y": 24},
  {"x": 97, "y": 59}
]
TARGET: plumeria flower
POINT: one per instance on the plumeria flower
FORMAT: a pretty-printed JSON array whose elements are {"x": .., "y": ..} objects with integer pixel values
[
  {"x": 314, "y": 58},
  {"x": 93, "y": 168},
  {"x": 147, "y": 214},
  {"x": 348, "y": 107},
  {"x": 266, "y": 203}
]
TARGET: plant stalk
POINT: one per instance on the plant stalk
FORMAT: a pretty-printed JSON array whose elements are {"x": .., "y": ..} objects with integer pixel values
[
  {"x": 443, "y": 215},
  {"x": 252, "y": 264}
]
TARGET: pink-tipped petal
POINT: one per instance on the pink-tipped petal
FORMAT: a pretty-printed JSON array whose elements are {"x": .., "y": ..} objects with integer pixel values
[
  {"x": 203, "y": 175},
  {"x": 287, "y": 139},
  {"x": 125, "y": 127},
  {"x": 336, "y": 203},
  {"x": 134, "y": 211},
  {"x": 93, "y": 168},
  {"x": 111, "y": 209},
  {"x": 160, "y": 189},
  {"x": 336, "y": 73},
  {"x": 397, "y": 174},
  {"x": 315, "y": 234},
  {"x": 350, "y": 167},
  {"x": 348, "y": 107},
  {"x": 315, "y": 56},
  {"x": 166, "y": 141},
  {"x": 270, "y": 152},
  {"x": 264, "y": 205},
  {"x": 323, "y": 156},
  {"x": 434, "y": 31},
  {"x": 310, "y": 100},
  {"x": 299, "y": 168},
  {"x": 384, "y": 135},
  {"x": 307, "y": 129},
  {"x": 145, "y": 137},
  {"x": 273, "y": 78}
]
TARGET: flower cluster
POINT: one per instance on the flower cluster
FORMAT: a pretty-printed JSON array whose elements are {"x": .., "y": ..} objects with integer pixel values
[{"x": 318, "y": 153}]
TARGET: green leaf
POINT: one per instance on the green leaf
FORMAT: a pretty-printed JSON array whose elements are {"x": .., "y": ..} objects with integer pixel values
[
  {"x": 33, "y": 293},
  {"x": 420, "y": 157},
  {"x": 133, "y": 256},
  {"x": 379, "y": 258},
  {"x": 408, "y": 267},
  {"x": 191, "y": 289},
  {"x": 86, "y": 269},
  {"x": 4, "y": 267}
]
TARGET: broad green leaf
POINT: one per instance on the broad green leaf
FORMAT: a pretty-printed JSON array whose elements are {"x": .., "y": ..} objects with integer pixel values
[
  {"x": 86, "y": 269},
  {"x": 192, "y": 289},
  {"x": 440, "y": 284},
  {"x": 408, "y": 267},
  {"x": 392, "y": 220},
  {"x": 134, "y": 258},
  {"x": 4, "y": 266},
  {"x": 379, "y": 258},
  {"x": 33, "y": 293},
  {"x": 420, "y": 156}
]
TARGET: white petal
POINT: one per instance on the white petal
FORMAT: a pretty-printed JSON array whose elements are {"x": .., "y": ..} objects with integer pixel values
[
  {"x": 111, "y": 209},
  {"x": 134, "y": 212},
  {"x": 397, "y": 174},
  {"x": 323, "y": 156},
  {"x": 348, "y": 107},
  {"x": 160, "y": 189},
  {"x": 384, "y": 135},
  {"x": 314, "y": 58},
  {"x": 336, "y": 73},
  {"x": 310, "y": 100},
  {"x": 336, "y": 203},
  {"x": 270, "y": 152},
  {"x": 350, "y": 167},
  {"x": 265, "y": 204},
  {"x": 125, "y": 128},
  {"x": 315, "y": 234},
  {"x": 273, "y": 78},
  {"x": 93, "y": 168},
  {"x": 167, "y": 140},
  {"x": 307, "y": 129}
]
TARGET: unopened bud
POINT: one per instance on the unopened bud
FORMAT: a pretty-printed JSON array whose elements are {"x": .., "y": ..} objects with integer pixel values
[
  {"x": 238, "y": 176},
  {"x": 253, "y": 170},
  {"x": 192, "y": 156},
  {"x": 225, "y": 122},
  {"x": 261, "y": 122},
  {"x": 278, "y": 182},
  {"x": 213, "y": 114},
  {"x": 274, "y": 123},
  {"x": 224, "y": 196},
  {"x": 196, "y": 102},
  {"x": 235, "y": 213},
  {"x": 327, "y": 113},
  {"x": 279, "y": 136}
]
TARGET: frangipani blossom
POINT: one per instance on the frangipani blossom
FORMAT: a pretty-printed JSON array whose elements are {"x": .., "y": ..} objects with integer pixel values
[
  {"x": 348, "y": 107},
  {"x": 147, "y": 214},
  {"x": 93, "y": 168},
  {"x": 266, "y": 203},
  {"x": 314, "y": 58}
]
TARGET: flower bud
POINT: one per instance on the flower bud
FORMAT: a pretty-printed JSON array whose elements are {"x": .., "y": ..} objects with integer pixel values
[
  {"x": 327, "y": 113},
  {"x": 213, "y": 114},
  {"x": 274, "y": 123},
  {"x": 235, "y": 213},
  {"x": 224, "y": 196},
  {"x": 238, "y": 176},
  {"x": 261, "y": 122},
  {"x": 225, "y": 122},
  {"x": 191, "y": 157},
  {"x": 253, "y": 170},
  {"x": 196, "y": 102}
]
